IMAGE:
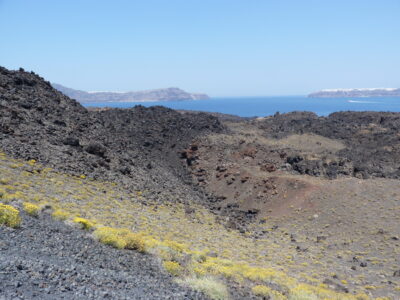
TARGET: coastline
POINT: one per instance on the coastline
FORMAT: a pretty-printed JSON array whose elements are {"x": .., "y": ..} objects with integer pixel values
[{"x": 265, "y": 106}]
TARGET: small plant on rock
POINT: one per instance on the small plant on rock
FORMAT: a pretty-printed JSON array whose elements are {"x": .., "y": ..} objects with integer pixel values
[
  {"x": 85, "y": 224},
  {"x": 31, "y": 209},
  {"x": 267, "y": 292},
  {"x": 121, "y": 238},
  {"x": 110, "y": 236},
  {"x": 135, "y": 241},
  {"x": 9, "y": 216},
  {"x": 60, "y": 215},
  {"x": 173, "y": 267}
]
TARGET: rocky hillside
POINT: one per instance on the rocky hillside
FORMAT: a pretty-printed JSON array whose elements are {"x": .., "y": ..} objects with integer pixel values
[
  {"x": 137, "y": 146},
  {"x": 266, "y": 208},
  {"x": 168, "y": 94},
  {"x": 372, "y": 146}
]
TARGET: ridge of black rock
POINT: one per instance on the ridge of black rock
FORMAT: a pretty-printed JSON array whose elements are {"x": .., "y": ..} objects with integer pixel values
[
  {"x": 371, "y": 138},
  {"x": 137, "y": 146}
]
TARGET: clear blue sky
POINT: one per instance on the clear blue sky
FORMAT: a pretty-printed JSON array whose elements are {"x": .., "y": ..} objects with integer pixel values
[{"x": 220, "y": 47}]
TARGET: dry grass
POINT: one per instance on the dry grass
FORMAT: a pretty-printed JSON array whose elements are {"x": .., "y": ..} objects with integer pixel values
[{"x": 210, "y": 286}]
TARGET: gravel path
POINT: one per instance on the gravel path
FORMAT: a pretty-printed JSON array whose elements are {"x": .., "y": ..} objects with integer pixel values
[{"x": 46, "y": 259}]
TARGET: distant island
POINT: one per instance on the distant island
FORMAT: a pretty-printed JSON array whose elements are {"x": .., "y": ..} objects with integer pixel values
[
  {"x": 167, "y": 94},
  {"x": 354, "y": 93}
]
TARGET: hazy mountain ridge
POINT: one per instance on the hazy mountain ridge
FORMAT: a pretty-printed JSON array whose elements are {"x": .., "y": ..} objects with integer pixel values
[
  {"x": 167, "y": 94},
  {"x": 366, "y": 92}
]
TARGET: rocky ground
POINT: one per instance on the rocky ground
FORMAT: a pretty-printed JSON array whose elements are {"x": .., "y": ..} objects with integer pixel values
[
  {"x": 314, "y": 198},
  {"x": 309, "y": 180},
  {"x": 45, "y": 259},
  {"x": 320, "y": 219}
]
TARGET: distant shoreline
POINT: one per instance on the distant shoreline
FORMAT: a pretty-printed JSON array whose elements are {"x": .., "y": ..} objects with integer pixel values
[
  {"x": 357, "y": 93},
  {"x": 266, "y": 106},
  {"x": 140, "y": 101},
  {"x": 166, "y": 94}
]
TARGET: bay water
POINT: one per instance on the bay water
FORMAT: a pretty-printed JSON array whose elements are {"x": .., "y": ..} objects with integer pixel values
[{"x": 265, "y": 106}]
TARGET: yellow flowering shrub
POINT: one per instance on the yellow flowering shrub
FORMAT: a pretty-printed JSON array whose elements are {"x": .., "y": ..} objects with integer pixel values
[
  {"x": 31, "y": 209},
  {"x": 85, "y": 224},
  {"x": 9, "y": 216},
  {"x": 121, "y": 238},
  {"x": 110, "y": 236},
  {"x": 60, "y": 215},
  {"x": 265, "y": 291},
  {"x": 173, "y": 267},
  {"x": 135, "y": 241},
  {"x": 32, "y": 162}
]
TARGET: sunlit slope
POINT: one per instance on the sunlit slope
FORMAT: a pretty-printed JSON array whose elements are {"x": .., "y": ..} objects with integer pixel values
[{"x": 191, "y": 240}]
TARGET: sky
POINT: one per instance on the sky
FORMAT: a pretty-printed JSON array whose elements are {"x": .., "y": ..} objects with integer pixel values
[{"x": 219, "y": 47}]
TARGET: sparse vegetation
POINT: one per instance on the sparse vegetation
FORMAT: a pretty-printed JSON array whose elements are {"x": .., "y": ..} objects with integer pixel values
[{"x": 198, "y": 244}]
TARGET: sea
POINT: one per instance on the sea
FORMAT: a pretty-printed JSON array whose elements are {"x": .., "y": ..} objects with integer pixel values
[{"x": 265, "y": 106}]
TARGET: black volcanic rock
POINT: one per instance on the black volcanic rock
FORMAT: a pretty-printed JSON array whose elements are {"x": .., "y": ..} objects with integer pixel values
[
  {"x": 38, "y": 122},
  {"x": 371, "y": 138},
  {"x": 46, "y": 259},
  {"x": 96, "y": 149},
  {"x": 71, "y": 141}
]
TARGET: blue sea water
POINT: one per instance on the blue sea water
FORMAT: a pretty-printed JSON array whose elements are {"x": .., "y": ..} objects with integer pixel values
[{"x": 264, "y": 106}]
